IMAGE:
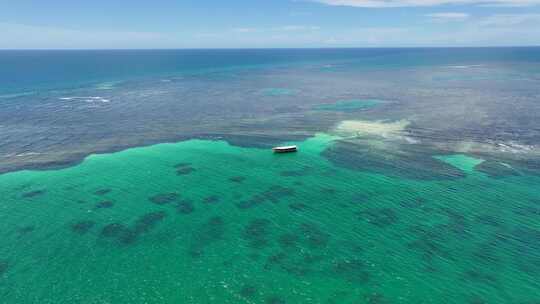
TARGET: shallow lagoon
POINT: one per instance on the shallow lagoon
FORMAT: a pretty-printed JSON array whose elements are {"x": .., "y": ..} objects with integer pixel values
[{"x": 324, "y": 235}]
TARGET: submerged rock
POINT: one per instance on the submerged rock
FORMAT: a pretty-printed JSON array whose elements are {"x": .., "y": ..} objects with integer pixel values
[
  {"x": 257, "y": 233},
  {"x": 353, "y": 271},
  {"x": 26, "y": 230},
  {"x": 104, "y": 204},
  {"x": 164, "y": 198},
  {"x": 185, "y": 207},
  {"x": 375, "y": 298},
  {"x": 4, "y": 265},
  {"x": 237, "y": 179},
  {"x": 314, "y": 236},
  {"x": 248, "y": 291},
  {"x": 274, "y": 300},
  {"x": 102, "y": 191},
  {"x": 274, "y": 194},
  {"x": 113, "y": 230},
  {"x": 184, "y": 169},
  {"x": 380, "y": 217},
  {"x": 182, "y": 165},
  {"x": 210, "y": 232},
  {"x": 211, "y": 199},
  {"x": 33, "y": 194},
  {"x": 288, "y": 240},
  {"x": 298, "y": 206},
  {"x": 148, "y": 221},
  {"x": 82, "y": 227}
]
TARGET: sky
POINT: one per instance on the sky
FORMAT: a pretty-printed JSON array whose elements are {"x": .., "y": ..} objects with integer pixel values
[{"x": 124, "y": 24}]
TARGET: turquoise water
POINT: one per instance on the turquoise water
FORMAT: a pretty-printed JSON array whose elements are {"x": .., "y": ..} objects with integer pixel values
[
  {"x": 148, "y": 176},
  {"x": 206, "y": 222}
]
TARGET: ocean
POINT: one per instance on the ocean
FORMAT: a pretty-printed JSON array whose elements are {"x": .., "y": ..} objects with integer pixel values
[{"x": 147, "y": 176}]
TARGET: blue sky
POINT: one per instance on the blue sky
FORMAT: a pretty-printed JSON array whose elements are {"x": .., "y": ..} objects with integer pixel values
[{"x": 267, "y": 23}]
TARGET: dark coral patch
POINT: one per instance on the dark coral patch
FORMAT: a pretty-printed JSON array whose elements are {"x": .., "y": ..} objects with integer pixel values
[
  {"x": 4, "y": 265},
  {"x": 314, "y": 236},
  {"x": 185, "y": 207},
  {"x": 526, "y": 242},
  {"x": 32, "y": 194},
  {"x": 121, "y": 233},
  {"x": 102, "y": 191},
  {"x": 25, "y": 230},
  {"x": 293, "y": 173},
  {"x": 182, "y": 165},
  {"x": 183, "y": 169},
  {"x": 414, "y": 203},
  {"x": 487, "y": 254},
  {"x": 298, "y": 206},
  {"x": 413, "y": 163},
  {"x": 257, "y": 233},
  {"x": 380, "y": 217},
  {"x": 211, "y": 199},
  {"x": 488, "y": 220},
  {"x": 127, "y": 237},
  {"x": 474, "y": 299},
  {"x": 273, "y": 195},
  {"x": 82, "y": 227},
  {"x": 288, "y": 240},
  {"x": 430, "y": 243},
  {"x": 275, "y": 259},
  {"x": 496, "y": 169},
  {"x": 248, "y": 291},
  {"x": 104, "y": 204},
  {"x": 457, "y": 222},
  {"x": 237, "y": 179},
  {"x": 210, "y": 232},
  {"x": 329, "y": 191},
  {"x": 113, "y": 230},
  {"x": 353, "y": 271},
  {"x": 527, "y": 210},
  {"x": 296, "y": 261},
  {"x": 476, "y": 276},
  {"x": 148, "y": 221},
  {"x": 274, "y": 300},
  {"x": 375, "y": 298},
  {"x": 352, "y": 248},
  {"x": 164, "y": 198}
]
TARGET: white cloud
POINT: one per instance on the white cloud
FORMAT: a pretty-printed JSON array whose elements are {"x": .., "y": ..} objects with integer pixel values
[
  {"x": 405, "y": 3},
  {"x": 293, "y": 28},
  {"x": 285, "y": 28},
  {"x": 245, "y": 30},
  {"x": 448, "y": 16},
  {"x": 507, "y": 20},
  {"x": 29, "y": 36}
]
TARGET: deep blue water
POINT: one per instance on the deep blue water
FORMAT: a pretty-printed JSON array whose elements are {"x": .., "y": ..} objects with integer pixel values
[{"x": 24, "y": 71}]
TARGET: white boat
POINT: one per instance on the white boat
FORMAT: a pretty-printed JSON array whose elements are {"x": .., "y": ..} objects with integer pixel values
[{"x": 285, "y": 149}]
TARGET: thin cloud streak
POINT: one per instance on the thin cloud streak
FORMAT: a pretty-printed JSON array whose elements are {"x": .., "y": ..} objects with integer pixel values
[{"x": 413, "y": 3}]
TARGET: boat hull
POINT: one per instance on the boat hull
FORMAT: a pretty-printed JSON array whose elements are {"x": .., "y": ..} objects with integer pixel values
[{"x": 285, "y": 149}]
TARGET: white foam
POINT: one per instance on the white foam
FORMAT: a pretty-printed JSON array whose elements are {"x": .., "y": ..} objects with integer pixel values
[
  {"x": 464, "y": 66},
  {"x": 15, "y": 95},
  {"x": 90, "y": 99},
  {"x": 27, "y": 154}
]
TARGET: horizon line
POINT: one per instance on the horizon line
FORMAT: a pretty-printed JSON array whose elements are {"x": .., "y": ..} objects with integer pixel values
[{"x": 270, "y": 48}]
